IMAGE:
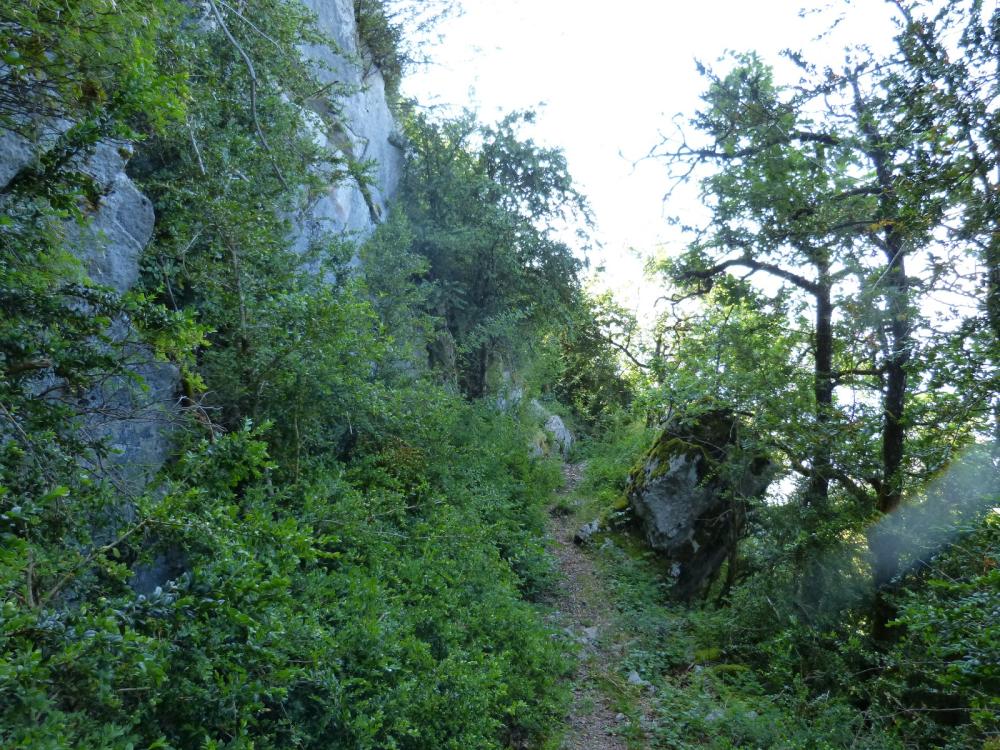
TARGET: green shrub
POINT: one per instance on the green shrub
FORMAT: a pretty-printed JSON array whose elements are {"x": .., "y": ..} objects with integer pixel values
[
  {"x": 375, "y": 604},
  {"x": 346, "y": 560}
]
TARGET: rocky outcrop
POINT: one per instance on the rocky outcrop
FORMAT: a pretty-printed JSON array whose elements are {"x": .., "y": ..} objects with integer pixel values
[
  {"x": 689, "y": 493},
  {"x": 553, "y": 436},
  {"x": 133, "y": 420},
  {"x": 586, "y": 532},
  {"x": 110, "y": 244},
  {"x": 364, "y": 130},
  {"x": 559, "y": 434},
  {"x": 117, "y": 229},
  {"x": 130, "y": 418}
]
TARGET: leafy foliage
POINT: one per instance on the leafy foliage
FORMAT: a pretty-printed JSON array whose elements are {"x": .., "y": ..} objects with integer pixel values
[
  {"x": 342, "y": 553},
  {"x": 583, "y": 367},
  {"x": 484, "y": 205},
  {"x": 859, "y": 611},
  {"x": 424, "y": 560},
  {"x": 381, "y": 39},
  {"x": 345, "y": 552},
  {"x": 93, "y": 62}
]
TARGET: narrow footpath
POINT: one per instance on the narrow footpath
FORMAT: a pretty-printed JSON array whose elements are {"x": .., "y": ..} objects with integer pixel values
[{"x": 582, "y": 611}]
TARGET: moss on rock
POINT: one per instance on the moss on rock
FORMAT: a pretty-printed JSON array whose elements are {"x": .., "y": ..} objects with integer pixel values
[{"x": 687, "y": 494}]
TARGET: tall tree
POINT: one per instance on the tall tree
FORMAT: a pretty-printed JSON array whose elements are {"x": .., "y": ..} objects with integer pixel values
[
  {"x": 485, "y": 206},
  {"x": 823, "y": 185},
  {"x": 784, "y": 204},
  {"x": 949, "y": 80}
]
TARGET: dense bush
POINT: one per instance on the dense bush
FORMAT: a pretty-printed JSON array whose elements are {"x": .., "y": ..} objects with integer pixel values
[
  {"x": 381, "y": 40},
  {"x": 342, "y": 553},
  {"x": 769, "y": 664},
  {"x": 371, "y": 604},
  {"x": 484, "y": 206}
]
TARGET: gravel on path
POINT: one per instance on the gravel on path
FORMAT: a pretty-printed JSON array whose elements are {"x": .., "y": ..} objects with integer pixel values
[{"x": 582, "y": 611}]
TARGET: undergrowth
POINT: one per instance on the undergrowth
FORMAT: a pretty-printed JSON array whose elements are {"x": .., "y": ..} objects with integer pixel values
[
  {"x": 748, "y": 671},
  {"x": 377, "y": 602}
]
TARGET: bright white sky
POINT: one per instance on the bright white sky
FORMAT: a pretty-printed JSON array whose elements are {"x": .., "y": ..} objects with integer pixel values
[{"x": 606, "y": 79}]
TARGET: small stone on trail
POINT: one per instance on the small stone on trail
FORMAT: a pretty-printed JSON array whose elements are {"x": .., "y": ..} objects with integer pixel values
[
  {"x": 587, "y": 531},
  {"x": 635, "y": 679},
  {"x": 619, "y": 717}
]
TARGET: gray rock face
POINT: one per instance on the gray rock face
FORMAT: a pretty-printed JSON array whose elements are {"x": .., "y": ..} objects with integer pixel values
[
  {"x": 135, "y": 421},
  {"x": 111, "y": 243},
  {"x": 559, "y": 433},
  {"x": 511, "y": 394},
  {"x": 670, "y": 498},
  {"x": 17, "y": 150},
  {"x": 586, "y": 532},
  {"x": 132, "y": 419},
  {"x": 15, "y": 153},
  {"x": 688, "y": 496},
  {"x": 554, "y": 434},
  {"x": 367, "y": 132}
]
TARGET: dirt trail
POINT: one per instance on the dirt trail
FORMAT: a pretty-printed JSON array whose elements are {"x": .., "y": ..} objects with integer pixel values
[{"x": 582, "y": 611}]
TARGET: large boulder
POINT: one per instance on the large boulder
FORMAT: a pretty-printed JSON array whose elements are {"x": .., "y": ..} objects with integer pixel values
[{"x": 689, "y": 492}]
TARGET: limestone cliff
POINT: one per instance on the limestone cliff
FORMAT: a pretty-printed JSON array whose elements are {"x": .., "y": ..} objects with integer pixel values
[
  {"x": 135, "y": 421},
  {"x": 365, "y": 128}
]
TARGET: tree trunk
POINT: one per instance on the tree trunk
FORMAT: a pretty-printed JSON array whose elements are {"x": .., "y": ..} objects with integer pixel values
[
  {"x": 819, "y": 483},
  {"x": 991, "y": 259},
  {"x": 883, "y": 541},
  {"x": 817, "y": 495}
]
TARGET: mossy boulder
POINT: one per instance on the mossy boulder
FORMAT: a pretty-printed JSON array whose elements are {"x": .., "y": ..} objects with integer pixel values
[{"x": 688, "y": 495}]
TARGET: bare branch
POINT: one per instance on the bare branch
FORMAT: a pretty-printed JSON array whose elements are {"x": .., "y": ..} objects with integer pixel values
[
  {"x": 797, "y": 136},
  {"x": 755, "y": 265},
  {"x": 840, "y": 375},
  {"x": 624, "y": 350}
]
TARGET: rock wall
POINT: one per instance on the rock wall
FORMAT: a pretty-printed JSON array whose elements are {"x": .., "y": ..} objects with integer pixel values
[
  {"x": 136, "y": 421},
  {"x": 118, "y": 228},
  {"x": 553, "y": 436},
  {"x": 366, "y": 130},
  {"x": 133, "y": 421}
]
